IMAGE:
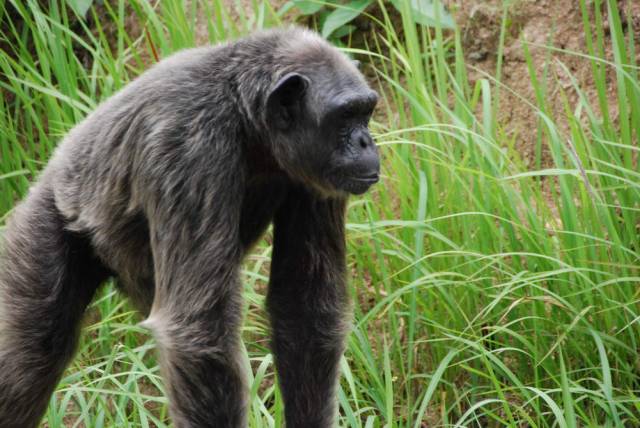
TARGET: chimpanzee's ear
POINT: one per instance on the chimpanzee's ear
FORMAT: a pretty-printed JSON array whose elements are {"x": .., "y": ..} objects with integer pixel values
[{"x": 284, "y": 104}]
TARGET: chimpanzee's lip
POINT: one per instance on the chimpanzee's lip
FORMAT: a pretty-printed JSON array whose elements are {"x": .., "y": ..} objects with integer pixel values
[
  {"x": 368, "y": 178},
  {"x": 358, "y": 184}
]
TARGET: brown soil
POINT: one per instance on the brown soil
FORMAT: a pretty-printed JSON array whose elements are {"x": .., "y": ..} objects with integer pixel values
[{"x": 538, "y": 22}]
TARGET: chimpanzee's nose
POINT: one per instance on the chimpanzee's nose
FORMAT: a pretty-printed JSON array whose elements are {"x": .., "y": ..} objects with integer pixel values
[{"x": 365, "y": 140}]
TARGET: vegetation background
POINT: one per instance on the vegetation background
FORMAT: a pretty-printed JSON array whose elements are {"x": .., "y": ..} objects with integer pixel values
[{"x": 495, "y": 268}]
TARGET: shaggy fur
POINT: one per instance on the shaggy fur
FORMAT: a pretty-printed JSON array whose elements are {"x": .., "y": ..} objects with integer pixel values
[{"x": 165, "y": 187}]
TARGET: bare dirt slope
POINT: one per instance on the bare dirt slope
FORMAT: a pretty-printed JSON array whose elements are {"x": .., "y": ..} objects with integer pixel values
[{"x": 540, "y": 22}]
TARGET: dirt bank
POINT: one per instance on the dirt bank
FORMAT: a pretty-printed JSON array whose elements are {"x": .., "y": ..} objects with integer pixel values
[{"x": 538, "y": 22}]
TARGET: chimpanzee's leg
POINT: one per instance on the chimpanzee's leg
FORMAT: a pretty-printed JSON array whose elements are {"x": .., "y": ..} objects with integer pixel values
[{"x": 47, "y": 278}]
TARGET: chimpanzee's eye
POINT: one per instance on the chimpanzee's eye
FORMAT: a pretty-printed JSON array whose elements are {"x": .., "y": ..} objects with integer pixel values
[
  {"x": 348, "y": 111},
  {"x": 369, "y": 111}
]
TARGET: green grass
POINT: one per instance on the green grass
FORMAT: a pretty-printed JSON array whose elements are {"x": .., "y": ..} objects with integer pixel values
[{"x": 488, "y": 293}]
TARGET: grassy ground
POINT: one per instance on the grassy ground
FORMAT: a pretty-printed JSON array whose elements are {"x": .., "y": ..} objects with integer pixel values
[{"x": 487, "y": 293}]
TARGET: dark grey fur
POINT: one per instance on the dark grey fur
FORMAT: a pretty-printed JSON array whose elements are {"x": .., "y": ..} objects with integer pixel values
[{"x": 166, "y": 186}]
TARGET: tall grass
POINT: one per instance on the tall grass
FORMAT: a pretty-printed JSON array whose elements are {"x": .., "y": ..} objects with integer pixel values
[{"x": 487, "y": 293}]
